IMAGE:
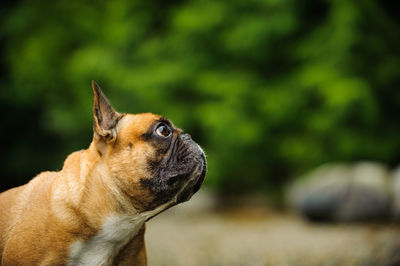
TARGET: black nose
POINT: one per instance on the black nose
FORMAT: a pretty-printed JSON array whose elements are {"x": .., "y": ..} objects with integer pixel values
[{"x": 185, "y": 136}]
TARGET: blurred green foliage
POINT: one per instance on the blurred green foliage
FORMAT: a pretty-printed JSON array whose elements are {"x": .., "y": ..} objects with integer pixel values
[{"x": 270, "y": 88}]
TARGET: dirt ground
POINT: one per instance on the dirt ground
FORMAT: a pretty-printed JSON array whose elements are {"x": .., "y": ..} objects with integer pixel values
[{"x": 198, "y": 233}]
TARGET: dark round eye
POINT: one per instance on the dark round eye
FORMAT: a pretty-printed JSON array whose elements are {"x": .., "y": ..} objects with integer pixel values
[{"x": 162, "y": 130}]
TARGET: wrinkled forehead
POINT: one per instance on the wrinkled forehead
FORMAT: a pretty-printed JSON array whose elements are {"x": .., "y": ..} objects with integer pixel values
[{"x": 133, "y": 126}]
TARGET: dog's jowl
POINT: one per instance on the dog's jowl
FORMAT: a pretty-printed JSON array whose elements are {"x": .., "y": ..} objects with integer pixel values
[{"x": 93, "y": 211}]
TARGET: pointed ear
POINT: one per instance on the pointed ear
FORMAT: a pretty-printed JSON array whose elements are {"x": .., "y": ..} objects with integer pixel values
[{"x": 105, "y": 117}]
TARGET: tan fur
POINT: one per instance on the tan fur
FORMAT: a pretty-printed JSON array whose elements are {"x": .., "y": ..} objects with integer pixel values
[{"x": 42, "y": 219}]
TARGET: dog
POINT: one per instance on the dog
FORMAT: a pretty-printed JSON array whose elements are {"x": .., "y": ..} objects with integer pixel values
[{"x": 93, "y": 211}]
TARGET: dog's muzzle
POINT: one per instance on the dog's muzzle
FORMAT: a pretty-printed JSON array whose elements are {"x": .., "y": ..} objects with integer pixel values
[
  {"x": 180, "y": 174},
  {"x": 193, "y": 156}
]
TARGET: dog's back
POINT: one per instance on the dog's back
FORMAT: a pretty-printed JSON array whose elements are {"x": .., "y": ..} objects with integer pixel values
[
  {"x": 7, "y": 213},
  {"x": 17, "y": 206}
]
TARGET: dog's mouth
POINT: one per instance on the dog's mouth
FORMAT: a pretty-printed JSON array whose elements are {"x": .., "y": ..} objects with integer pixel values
[
  {"x": 192, "y": 185},
  {"x": 194, "y": 182}
]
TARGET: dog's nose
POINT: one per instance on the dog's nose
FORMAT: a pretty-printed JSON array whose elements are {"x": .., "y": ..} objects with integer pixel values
[{"x": 185, "y": 136}]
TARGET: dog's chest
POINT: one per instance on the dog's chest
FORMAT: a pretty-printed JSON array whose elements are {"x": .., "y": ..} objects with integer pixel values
[{"x": 116, "y": 232}]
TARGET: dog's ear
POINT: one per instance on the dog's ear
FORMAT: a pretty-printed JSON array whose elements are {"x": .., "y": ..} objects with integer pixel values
[{"x": 105, "y": 117}]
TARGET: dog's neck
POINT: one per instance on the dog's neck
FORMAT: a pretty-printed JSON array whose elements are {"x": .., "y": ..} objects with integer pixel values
[
  {"x": 103, "y": 215},
  {"x": 95, "y": 194}
]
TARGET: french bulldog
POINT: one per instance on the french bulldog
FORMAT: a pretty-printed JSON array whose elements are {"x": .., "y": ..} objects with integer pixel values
[{"x": 93, "y": 211}]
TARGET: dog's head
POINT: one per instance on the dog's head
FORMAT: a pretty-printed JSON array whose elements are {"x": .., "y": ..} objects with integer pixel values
[{"x": 151, "y": 160}]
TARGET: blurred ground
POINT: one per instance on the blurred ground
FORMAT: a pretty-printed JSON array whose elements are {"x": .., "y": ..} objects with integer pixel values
[{"x": 247, "y": 232}]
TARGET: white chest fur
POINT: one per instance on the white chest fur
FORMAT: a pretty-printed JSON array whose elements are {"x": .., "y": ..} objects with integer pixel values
[
  {"x": 101, "y": 249},
  {"x": 116, "y": 232}
]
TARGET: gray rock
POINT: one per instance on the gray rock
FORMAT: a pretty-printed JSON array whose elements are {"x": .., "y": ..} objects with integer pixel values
[{"x": 343, "y": 192}]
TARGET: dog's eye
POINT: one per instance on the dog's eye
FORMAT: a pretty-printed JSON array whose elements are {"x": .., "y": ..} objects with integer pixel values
[{"x": 162, "y": 130}]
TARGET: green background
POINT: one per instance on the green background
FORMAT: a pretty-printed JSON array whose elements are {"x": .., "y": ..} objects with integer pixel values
[{"x": 269, "y": 88}]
